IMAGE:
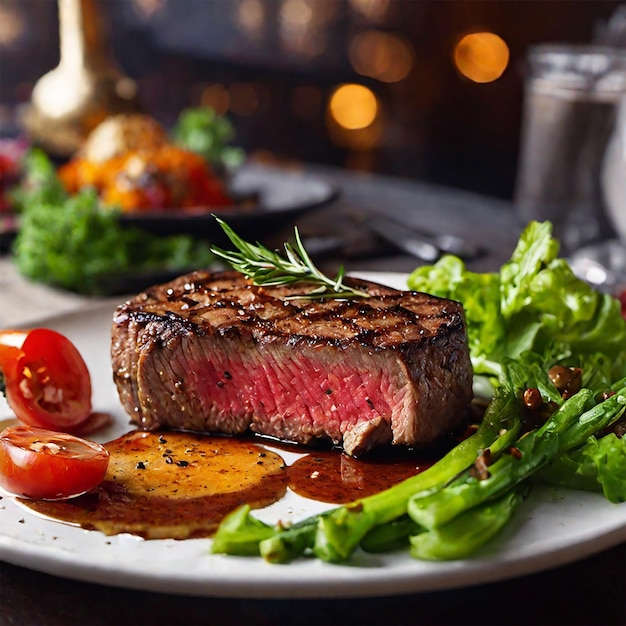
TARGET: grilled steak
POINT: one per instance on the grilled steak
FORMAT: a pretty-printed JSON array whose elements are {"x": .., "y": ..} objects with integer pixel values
[{"x": 212, "y": 352}]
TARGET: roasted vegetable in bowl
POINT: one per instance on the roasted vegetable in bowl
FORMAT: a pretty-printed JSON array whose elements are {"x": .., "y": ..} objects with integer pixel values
[
  {"x": 164, "y": 178},
  {"x": 131, "y": 164}
]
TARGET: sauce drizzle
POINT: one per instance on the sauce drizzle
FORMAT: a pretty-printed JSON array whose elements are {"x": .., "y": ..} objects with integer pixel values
[
  {"x": 173, "y": 485},
  {"x": 181, "y": 485}
]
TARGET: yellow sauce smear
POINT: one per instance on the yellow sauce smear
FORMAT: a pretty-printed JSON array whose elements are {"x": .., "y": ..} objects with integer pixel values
[{"x": 173, "y": 485}]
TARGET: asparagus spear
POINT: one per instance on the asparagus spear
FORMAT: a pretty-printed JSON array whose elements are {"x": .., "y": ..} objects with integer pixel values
[
  {"x": 569, "y": 427},
  {"x": 456, "y": 540},
  {"x": 391, "y": 536},
  {"x": 240, "y": 533},
  {"x": 469, "y": 531}
]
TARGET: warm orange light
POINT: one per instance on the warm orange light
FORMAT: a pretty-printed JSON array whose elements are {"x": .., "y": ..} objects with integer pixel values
[
  {"x": 383, "y": 56},
  {"x": 216, "y": 97},
  {"x": 481, "y": 57},
  {"x": 353, "y": 106}
]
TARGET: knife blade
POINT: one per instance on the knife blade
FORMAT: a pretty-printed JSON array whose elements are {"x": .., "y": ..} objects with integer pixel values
[{"x": 427, "y": 247}]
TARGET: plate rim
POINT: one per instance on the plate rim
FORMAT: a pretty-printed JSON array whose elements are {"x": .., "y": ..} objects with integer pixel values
[{"x": 286, "y": 588}]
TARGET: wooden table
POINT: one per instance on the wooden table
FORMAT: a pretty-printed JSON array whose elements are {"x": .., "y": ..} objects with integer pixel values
[{"x": 588, "y": 591}]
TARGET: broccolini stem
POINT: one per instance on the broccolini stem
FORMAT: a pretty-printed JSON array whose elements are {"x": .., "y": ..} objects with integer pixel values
[
  {"x": 569, "y": 427},
  {"x": 469, "y": 531}
]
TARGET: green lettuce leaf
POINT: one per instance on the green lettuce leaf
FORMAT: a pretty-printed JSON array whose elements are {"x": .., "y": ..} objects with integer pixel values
[
  {"x": 599, "y": 465},
  {"x": 77, "y": 245},
  {"x": 534, "y": 304}
]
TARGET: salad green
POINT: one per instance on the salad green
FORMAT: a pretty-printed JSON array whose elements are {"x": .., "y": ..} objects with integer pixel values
[
  {"x": 535, "y": 303},
  {"x": 203, "y": 131},
  {"x": 523, "y": 320},
  {"x": 39, "y": 182},
  {"x": 73, "y": 243}
]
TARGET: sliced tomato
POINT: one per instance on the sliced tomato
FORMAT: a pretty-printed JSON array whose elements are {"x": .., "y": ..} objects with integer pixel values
[
  {"x": 8, "y": 355},
  {"x": 46, "y": 380},
  {"x": 47, "y": 465},
  {"x": 14, "y": 338},
  {"x": 11, "y": 342}
]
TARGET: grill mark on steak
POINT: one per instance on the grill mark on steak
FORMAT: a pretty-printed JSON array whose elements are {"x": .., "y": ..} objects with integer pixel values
[{"x": 392, "y": 368}]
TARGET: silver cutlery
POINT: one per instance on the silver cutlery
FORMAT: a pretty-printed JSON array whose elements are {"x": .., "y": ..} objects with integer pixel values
[{"x": 424, "y": 246}]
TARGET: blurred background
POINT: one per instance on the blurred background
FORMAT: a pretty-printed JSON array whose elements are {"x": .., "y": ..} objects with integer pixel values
[{"x": 426, "y": 90}]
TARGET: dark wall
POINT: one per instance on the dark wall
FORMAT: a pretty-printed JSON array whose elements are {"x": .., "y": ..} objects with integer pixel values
[{"x": 436, "y": 125}]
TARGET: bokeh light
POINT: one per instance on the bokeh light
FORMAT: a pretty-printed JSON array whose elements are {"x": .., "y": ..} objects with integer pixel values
[
  {"x": 215, "y": 96},
  {"x": 11, "y": 26},
  {"x": 481, "y": 57},
  {"x": 383, "y": 56},
  {"x": 353, "y": 106},
  {"x": 373, "y": 10},
  {"x": 301, "y": 26},
  {"x": 251, "y": 16},
  {"x": 295, "y": 15}
]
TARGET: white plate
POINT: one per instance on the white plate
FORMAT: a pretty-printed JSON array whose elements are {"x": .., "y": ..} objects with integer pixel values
[{"x": 551, "y": 528}]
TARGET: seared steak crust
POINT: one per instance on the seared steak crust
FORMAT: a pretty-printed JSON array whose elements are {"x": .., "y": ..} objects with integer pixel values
[{"x": 212, "y": 352}]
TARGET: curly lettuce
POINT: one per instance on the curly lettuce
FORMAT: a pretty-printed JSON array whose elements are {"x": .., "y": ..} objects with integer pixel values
[{"x": 535, "y": 303}]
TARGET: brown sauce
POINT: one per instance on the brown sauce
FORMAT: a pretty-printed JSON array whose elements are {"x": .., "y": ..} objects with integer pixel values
[
  {"x": 181, "y": 485},
  {"x": 173, "y": 485},
  {"x": 337, "y": 478}
]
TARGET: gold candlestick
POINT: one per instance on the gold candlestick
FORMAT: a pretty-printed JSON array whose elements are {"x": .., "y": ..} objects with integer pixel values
[{"x": 85, "y": 88}]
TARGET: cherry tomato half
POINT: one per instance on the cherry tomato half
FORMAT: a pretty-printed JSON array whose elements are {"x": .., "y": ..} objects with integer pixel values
[
  {"x": 47, "y": 465},
  {"x": 46, "y": 379}
]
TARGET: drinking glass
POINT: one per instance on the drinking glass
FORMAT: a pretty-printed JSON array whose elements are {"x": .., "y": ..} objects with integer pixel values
[{"x": 571, "y": 97}]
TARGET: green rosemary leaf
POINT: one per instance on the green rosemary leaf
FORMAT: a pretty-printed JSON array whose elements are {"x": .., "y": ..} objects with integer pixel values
[{"x": 267, "y": 267}]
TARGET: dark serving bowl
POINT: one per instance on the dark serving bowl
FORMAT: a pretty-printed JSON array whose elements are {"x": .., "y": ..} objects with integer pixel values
[{"x": 266, "y": 198}]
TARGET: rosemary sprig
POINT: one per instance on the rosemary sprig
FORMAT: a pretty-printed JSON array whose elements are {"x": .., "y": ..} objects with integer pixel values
[{"x": 266, "y": 267}]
